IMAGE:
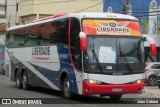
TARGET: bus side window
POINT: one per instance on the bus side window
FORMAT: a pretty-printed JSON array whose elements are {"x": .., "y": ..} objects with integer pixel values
[
  {"x": 62, "y": 32},
  {"x": 21, "y": 44},
  {"x": 39, "y": 42},
  {"x": 9, "y": 42},
  {"x": 19, "y": 40},
  {"x": 14, "y": 40},
  {"x": 78, "y": 57},
  {"x": 74, "y": 41},
  {"x": 31, "y": 41}
]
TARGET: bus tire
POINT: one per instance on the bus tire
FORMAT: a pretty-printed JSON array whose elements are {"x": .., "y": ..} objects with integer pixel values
[
  {"x": 18, "y": 81},
  {"x": 115, "y": 96},
  {"x": 25, "y": 85},
  {"x": 66, "y": 92}
]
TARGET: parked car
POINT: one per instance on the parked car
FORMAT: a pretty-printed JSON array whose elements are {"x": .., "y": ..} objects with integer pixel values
[
  {"x": 158, "y": 80},
  {"x": 151, "y": 71},
  {"x": 2, "y": 68}
]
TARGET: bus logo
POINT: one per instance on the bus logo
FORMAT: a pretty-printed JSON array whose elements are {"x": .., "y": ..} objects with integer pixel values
[
  {"x": 6, "y": 101},
  {"x": 112, "y": 24}
]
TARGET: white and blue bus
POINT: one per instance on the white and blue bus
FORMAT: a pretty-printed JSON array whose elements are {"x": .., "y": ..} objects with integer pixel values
[{"x": 79, "y": 53}]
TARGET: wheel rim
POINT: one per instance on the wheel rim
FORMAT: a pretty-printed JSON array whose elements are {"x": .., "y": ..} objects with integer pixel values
[
  {"x": 66, "y": 88},
  {"x": 24, "y": 80},
  {"x": 153, "y": 81}
]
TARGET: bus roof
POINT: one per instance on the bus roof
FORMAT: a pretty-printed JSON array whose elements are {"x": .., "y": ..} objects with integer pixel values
[{"x": 79, "y": 16}]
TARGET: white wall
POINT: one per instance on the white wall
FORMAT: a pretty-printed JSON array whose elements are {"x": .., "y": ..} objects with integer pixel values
[
  {"x": 2, "y": 1},
  {"x": 56, "y": 6},
  {"x": 2, "y": 10}
]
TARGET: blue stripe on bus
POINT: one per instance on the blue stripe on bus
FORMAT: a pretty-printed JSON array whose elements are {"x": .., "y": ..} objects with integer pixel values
[
  {"x": 63, "y": 53},
  {"x": 51, "y": 75},
  {"x": 54, "y": 75},
  {"x": 65, "y": 66},
  {"x": 72, "y": 77},
  {"x": 64, "y": 57}
]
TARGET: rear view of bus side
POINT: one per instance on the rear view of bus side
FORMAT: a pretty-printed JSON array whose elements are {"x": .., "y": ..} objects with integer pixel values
[{"x": 79, "y": 53}]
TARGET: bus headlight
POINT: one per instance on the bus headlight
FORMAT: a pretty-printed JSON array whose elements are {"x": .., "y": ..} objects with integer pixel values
[
  {"x": 92, "y": 81},
  {"x": 138, "y": 81}
]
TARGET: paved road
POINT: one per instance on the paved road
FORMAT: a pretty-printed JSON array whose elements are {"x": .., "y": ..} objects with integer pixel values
[
  {"x": 8, "y": 90},
  {"x": 152, "y": 91}
]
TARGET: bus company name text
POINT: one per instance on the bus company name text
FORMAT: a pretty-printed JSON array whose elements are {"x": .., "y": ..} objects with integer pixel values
[
  {"x": 113, "y": 29},
  {"x": 41, "y": 50}
]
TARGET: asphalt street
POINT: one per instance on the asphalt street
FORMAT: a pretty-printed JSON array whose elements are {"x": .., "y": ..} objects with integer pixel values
[{"x": 9, "y": 90}]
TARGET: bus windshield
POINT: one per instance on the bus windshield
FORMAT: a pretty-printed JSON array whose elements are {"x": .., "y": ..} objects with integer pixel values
[{"x": 120, "y": 54}]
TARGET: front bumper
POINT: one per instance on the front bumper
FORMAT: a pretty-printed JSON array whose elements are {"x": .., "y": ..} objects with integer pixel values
[{"x": 90, "y": 89}]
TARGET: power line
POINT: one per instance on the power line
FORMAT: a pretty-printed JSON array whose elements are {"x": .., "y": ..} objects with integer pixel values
[
  {"x": 142, "y": 13},
  {"x": 152, "y": 12},
  {"x": 43, "y": 3},
  {"x": 89, "y": 7}
]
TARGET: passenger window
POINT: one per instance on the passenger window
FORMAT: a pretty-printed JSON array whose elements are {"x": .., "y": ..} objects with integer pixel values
[
  {"x": 74, "y": 42},
  {"x": 157, "y": 66}
]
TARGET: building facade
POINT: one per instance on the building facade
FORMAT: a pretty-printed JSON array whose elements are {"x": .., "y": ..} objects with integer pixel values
[
  {"x": 2, "y": 16},
  {"x": 3, "y": 10},
  {"x": 2, "y": 28},
  {"x": 11, "y": 13},
  {"x": 148, "y": 12},
  {"x": 29, "y": 10}
]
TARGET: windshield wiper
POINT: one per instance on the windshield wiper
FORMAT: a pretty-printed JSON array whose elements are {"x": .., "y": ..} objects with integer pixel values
[
  {"x": 97, "y": 60},
  {"x": 122, "y": 54},
  {"x": 134, "y": 48}
]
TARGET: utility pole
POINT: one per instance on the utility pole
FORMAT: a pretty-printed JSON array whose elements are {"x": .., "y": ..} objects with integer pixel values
[
  {"x": 125, "y": 7},
  {"x": 16, "y": 13},
  {"x": 9, "y": 21}
]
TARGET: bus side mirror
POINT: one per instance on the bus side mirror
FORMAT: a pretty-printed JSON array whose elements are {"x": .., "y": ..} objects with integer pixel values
[
  {"x": 153, "y": 49},
  {"x": 83, "y": 41}
]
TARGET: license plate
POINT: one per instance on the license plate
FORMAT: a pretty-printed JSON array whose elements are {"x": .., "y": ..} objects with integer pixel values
[{"x": 116, "y": 89}]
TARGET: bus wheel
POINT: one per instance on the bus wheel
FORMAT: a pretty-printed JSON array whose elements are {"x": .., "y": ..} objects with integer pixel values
[
  {"x": 66, "y": 93},
  {"x": 18, "y": 82},
  {"x": 115, "y": 96},
  {"x": 25, "y": 85}
]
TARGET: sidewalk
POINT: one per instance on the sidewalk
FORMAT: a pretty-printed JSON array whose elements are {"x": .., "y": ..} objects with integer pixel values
[{"x": 152, "y": 91}]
